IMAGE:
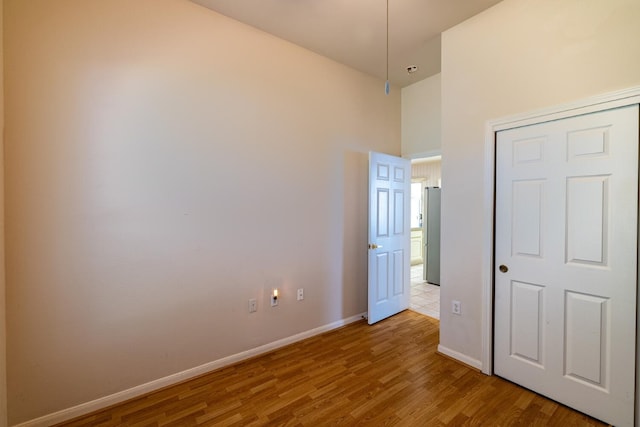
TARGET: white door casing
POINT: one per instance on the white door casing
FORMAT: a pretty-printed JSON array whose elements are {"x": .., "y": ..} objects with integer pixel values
[
  {"x": 389, "y": 236},
  {"x": 566, "y": 229}
]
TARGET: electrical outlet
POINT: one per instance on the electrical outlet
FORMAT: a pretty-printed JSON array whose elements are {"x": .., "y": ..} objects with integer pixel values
[
  {"x": 253, "y": 305},
  {"x": 300, "y": 294},
  {"x": 456, "y": 307},
  {"x": 274, "y": 300}
]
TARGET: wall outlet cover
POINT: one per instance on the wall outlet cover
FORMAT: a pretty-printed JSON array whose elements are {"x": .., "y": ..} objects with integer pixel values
[{"x": 456, "y": 307}]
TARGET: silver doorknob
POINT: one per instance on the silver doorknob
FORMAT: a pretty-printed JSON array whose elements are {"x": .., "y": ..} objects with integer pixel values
[{"x": 503, "y": 268}]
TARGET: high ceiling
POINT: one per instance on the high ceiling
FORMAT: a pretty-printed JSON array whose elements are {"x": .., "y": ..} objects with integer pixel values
[{"x": 353, "y": 32}]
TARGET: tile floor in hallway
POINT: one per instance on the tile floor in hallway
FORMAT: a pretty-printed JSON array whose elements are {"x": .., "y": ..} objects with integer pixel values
[{"x": 425, "y": 297}]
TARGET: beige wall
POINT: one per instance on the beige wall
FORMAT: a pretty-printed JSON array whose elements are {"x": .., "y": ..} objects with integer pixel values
[
  {"x": 164, "y": 165},
  {"x": 518, "y": 56},
  {"x": 421, "y": 116},
  {"x": 3, "y": 334}
]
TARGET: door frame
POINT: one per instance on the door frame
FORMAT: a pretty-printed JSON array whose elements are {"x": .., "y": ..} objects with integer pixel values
[{"x": 588, "y": 105}]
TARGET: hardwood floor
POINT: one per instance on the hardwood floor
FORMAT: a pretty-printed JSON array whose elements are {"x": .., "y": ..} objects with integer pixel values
[{"x": 381, "y": 375}]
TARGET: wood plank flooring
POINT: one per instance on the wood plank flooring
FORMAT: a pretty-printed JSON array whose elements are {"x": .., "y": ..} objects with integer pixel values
[{"x": 388, "y": 374}]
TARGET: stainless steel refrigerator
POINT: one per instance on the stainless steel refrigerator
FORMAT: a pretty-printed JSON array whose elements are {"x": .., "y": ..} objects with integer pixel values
[{"x": 431, "y": 230}]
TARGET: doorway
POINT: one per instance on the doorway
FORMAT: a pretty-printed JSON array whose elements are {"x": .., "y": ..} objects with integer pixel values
[{"x": 425, "y": 296}]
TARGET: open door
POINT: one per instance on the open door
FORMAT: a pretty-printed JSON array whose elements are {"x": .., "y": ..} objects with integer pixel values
[{"x": 389, "y": 235}]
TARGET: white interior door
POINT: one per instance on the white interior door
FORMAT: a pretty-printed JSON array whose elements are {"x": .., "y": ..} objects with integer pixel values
[
  {"x": 566, "y": 260},
  {"x": 389, "y": 235}
]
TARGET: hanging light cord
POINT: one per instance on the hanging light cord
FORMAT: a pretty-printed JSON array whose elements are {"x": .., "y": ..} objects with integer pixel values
[
  {"x": 387, "y": 40},
  {"x": 387, "y": 84}
]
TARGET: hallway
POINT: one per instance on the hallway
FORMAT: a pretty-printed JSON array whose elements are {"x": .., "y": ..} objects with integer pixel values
[{"x": 425, "y": 297}]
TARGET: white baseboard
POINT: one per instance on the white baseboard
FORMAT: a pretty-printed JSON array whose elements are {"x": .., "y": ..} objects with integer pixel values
[
  {"x": 122, "y": 396},
  {"x": 469, "y": 361}
]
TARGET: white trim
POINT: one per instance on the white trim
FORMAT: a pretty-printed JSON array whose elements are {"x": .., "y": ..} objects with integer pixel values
[
  {"x": 137, "y": 391},
  {"x": 469, "y": 361},
  {"x": 422, "y": 154},
  {"x": 486, "y": 313},
  {"x": 589, "y": 105}
]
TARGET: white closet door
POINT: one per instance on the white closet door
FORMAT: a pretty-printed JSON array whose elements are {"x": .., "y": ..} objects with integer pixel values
[{"x": 566, "y": 260}]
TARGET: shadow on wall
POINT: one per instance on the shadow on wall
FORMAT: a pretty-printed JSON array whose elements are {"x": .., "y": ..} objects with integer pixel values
[{"x": 356, "y": 176}]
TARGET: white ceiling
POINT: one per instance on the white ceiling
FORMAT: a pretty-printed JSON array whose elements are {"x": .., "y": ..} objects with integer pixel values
[{"x": 353, "y": 32}]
